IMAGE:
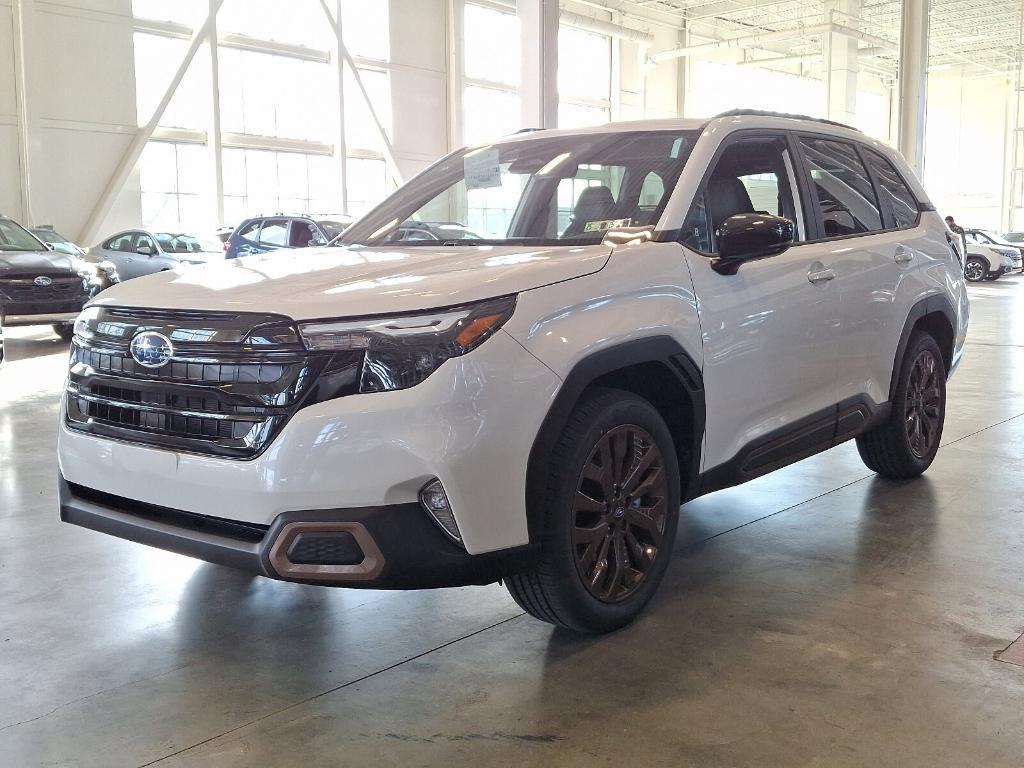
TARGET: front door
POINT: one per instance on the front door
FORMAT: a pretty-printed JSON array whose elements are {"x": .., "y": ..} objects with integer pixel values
[{"x": 769, "y": 329}]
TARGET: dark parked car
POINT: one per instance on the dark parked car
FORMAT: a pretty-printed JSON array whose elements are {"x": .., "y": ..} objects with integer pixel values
[
  {"x": 56, "y": 240},
  {"x": 445, "y": 231},
  {"x": 41, "y": 286},
  {"x": 262, "y": 234}
]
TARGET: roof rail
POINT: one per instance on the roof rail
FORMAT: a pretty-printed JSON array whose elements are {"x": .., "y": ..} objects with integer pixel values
[
  {"x": 789, "y": 115},
  {"x": 528, "y": 130}
]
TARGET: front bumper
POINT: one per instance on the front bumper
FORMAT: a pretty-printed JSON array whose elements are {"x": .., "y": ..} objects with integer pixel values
[
  {"x": 44, "y": 318},
  {"x": 388, "y": 547},
  {"x": 471, "y": 424}
]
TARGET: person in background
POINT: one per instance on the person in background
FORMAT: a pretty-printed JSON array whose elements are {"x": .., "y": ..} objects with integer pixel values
[{"x": 958, "y": 230}]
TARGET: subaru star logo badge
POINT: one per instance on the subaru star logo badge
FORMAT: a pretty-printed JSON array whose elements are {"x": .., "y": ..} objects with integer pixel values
[
  {"x": 42, "y": 281},
  {"x": 151, "y": 349}
]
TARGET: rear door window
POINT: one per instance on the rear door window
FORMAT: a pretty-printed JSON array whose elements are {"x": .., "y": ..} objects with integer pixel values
[
  {"x": 274, "y": 232},
  {"x": 894, "y": 191},
  {"x": 845, "y": 198}
]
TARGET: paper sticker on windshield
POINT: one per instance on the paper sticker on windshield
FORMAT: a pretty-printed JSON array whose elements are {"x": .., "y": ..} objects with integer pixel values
[
  {"x": 605, "y": 225},
  {"x": 481, "y": 169}
]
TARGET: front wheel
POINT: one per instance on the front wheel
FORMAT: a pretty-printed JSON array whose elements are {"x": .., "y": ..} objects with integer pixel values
[
  {"x": 609, "y": 511},
  {"x": 975, "y": 269},
  {"x": 65, "y": 330},
  {"x": 905, "y": 445}
]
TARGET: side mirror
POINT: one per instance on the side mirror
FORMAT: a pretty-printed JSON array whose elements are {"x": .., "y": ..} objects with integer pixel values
[
  {"x": 145, "y": 250},
  {"x": 748, "y": 236}
]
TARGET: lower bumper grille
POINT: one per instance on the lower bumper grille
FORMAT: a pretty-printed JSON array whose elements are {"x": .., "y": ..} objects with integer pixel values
[{"x": 230, "y": 385}]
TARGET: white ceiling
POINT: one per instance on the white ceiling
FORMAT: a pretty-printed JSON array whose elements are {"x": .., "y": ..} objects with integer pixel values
[{"x": 982, "y": 36}]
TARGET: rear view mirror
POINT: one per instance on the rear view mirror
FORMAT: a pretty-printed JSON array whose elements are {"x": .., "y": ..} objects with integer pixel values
[{"x": 748, "y": 236}]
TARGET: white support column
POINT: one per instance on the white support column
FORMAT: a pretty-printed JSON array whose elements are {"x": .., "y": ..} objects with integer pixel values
[
  {"x": 214, "y": 138},
  {"x": 839, "y": 55},
  {"x": 340, "y": 143},
  {"x": 20, "y": 11},
  {"x": 131, "y": 155},
  {"x": 913, "y": 81},
  {"x": 538, "y": 90}
]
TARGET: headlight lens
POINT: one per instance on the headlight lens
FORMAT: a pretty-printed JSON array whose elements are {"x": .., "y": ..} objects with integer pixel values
[{"x": 400, "y": 351}]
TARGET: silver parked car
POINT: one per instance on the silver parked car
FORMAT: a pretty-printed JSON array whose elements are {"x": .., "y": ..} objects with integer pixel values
[{"x": 138, "y": 252}]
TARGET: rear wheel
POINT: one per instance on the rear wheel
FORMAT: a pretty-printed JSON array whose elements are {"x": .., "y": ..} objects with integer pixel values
[
  {"x": 610, "y": 511},
  {"x": 975, "y": 269},
  {"x": 906, "y": 444},
  {"x": 65, "y": 330}
]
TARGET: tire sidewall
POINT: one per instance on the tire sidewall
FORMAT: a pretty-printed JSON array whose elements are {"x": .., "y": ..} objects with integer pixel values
[{"x": 557, "y": 547}]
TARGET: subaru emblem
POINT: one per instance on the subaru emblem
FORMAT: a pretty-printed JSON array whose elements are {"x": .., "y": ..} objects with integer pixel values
[
  {"x": 151, "y": 350},
  {"x": 42, "y": 281}
]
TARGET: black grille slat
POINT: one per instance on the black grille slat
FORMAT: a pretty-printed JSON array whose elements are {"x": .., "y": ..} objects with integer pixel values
[{"x": 222, "y": 398}]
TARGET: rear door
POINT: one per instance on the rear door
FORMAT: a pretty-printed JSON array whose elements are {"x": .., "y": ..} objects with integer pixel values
[
  {"x": 769, "y": 329},
  {"x": 869, "y": 257},
  {"x": 120, "y": 250}
]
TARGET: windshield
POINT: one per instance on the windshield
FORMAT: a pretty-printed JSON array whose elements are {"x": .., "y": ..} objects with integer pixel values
[
  {"x": 995, "y": 238},
  {"x": 181, "y": 243},
  {"x": 14, "y": 237},
  {"x": 49, "y": 236},
  {"x": 332, "y": 228},
  {"x": 547, "y": 191}
]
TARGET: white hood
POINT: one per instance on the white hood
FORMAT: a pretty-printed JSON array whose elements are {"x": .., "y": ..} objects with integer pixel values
[{"x": 347, "y": 282}]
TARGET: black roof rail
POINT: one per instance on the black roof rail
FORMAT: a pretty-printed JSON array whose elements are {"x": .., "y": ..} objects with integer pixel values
[
  {"x": 789, "y": 115},
  {"x": 528, "y": 130}
]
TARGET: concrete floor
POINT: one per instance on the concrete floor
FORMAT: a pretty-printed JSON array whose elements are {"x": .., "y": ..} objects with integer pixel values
[{"x": 819, "y": 616}]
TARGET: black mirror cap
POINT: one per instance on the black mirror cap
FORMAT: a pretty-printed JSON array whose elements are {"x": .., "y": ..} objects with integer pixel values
[{"x": 746, "y": 236}]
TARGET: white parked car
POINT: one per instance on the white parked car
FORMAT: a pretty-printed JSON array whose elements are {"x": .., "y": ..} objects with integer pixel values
[
  {"x": 990, "y": 262},
  {"x": 138, "y": 252},
  {"x": 670, "y": 308}
]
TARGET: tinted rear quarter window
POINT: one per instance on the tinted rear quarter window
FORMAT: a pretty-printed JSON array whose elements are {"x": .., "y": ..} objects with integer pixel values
[
  {"x": 250, "y": 231},
  {"x": 895, "y": 193},
  {"x": 846, "y": 198}
]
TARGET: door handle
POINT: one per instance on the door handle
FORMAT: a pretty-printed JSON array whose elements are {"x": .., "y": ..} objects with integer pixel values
[
  {"x": 820, "y": 275},
  {"x": 902, "y": 255}
]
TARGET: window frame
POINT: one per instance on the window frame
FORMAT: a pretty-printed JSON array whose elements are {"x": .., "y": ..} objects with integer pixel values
[
  {"x": 802, "y": 190},
  {"x": 275, "y": 220}
]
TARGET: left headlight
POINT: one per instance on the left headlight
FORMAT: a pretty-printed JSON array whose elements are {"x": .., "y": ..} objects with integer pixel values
[{"x": 400, "y": 351}]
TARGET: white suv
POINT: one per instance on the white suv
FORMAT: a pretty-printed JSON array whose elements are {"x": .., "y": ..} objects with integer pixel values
[{"x": 661, "y": 309}]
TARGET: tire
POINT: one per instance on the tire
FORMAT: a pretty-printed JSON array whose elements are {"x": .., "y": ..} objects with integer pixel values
[
  {"x": 975, "y": 269},
  {"x": 905, "y": 445},
  {"x": 66, "y": 331},
  {"x": 595, "y": 571}
]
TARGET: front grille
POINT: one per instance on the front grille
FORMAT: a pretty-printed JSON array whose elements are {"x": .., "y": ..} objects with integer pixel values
[
  {"x": 231, "y": 384},
  {"x": 23, "y": 289}
]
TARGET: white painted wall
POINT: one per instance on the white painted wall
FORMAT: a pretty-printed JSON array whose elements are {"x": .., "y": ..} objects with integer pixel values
[{"x": 81, "y": 99}]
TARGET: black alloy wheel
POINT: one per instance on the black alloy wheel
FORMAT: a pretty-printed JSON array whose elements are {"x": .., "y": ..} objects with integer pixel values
[
  {"x": 923, "y": 403},
  {"x": 619, "y": 513}
]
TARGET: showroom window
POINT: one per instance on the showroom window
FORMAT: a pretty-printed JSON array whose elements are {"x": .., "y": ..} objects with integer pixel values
[
  {"x": 173, "y": 179},
  {"x": 285, "y": 94},
  {"x": 263, "y": 182},
  {"x": 280, "y": 96},
  {"x": 490, "y": 100},
  {"x": 584, "y": 78},
  {"x": 156, "y": 60}
]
